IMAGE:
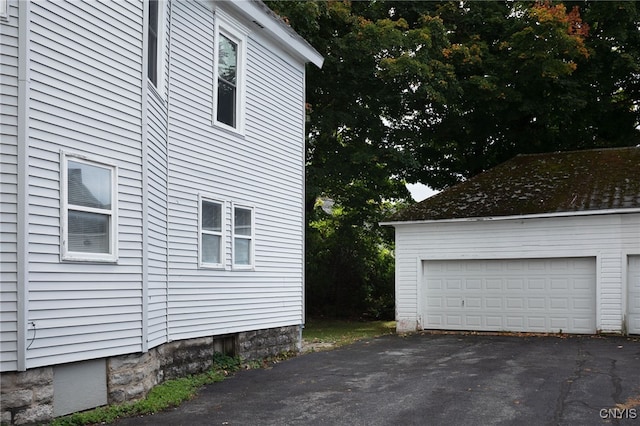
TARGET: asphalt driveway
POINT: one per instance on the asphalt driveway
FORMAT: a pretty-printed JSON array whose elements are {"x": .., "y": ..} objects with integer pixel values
[{"x": 425, "y": 379}]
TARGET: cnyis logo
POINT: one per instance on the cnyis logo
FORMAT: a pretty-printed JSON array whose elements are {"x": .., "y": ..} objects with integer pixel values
[{"x": 618, "y": 413}]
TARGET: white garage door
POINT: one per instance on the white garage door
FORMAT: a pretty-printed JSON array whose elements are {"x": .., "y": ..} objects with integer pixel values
[
  {"x": 532, "y": 295},
  {"x": 633, "y": 311}
]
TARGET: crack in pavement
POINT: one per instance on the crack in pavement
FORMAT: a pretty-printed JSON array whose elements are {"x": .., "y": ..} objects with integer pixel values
[{"x": 565, "y": 389}]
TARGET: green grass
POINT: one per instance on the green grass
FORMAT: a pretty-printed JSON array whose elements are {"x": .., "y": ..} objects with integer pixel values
[{"x": 343, "y": 332}]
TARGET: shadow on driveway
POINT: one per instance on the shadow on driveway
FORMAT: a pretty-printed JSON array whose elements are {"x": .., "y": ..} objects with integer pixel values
[{"x": 419, "y": 379}]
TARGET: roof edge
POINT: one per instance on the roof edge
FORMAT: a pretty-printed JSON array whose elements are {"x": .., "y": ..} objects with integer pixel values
[
  {"x": 514, "y": 217},
  {"x": 265, "y": 18}
]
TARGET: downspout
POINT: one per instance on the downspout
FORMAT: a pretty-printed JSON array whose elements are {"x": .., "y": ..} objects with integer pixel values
[{"x": 22, "y": 219}]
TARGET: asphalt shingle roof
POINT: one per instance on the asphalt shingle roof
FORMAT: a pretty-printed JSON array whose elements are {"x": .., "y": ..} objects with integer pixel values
[{"x": 576, "y": 181}]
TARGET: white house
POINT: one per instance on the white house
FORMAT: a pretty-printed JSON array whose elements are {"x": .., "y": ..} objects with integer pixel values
[
  {"x": 152, "y": 176},
  {"x": 541, "y": 243}
]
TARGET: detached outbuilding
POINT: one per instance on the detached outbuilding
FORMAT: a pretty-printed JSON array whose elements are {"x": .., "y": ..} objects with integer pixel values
[{"x": 541, "y": 243}]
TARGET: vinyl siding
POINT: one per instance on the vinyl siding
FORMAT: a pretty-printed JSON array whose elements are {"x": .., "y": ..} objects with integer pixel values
[
  {"x": 262, "y": 168},
  {"x": 608, "y": 238},
  {"x": 85, "y": 99},
  {"x": 157, "y": 121},
  {"x": 9, "y": 190}
]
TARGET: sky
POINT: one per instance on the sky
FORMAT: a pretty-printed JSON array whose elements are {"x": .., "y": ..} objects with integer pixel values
[{"x": 419, "y": 191}]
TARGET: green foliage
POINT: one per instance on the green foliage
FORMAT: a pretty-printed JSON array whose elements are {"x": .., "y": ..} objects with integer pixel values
[
  {"x": 436, "y": 92},
  {"x": 351, "y": 273}
]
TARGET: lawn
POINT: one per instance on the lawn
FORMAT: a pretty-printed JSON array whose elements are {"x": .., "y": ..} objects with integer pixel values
[{"x": 328, "y": 333}]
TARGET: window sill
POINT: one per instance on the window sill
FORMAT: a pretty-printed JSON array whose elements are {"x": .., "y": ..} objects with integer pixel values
[
  {"x": 83, "y": 258},
  {"x": 228, "y": 129},
  {"x": 212, "y": 267}
]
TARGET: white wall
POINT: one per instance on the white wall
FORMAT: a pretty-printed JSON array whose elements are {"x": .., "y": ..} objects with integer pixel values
[
  {"x": 262, "y": 168},
  {"x": 88, "y": 95},
  {"x": 609, "y": 238},
  {"x": 85, "y": 98}
]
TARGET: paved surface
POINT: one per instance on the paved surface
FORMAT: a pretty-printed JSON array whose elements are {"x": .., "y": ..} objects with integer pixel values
[{"x": 431, "y": 379}]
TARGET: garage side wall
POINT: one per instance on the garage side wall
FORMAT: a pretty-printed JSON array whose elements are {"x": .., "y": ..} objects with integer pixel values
[{"x": 610, "y": 238}]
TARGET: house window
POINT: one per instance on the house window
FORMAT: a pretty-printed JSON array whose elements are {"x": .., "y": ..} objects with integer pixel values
[
  {"x": 155, "y": 37},
  {"x": 211, "y": 233},
  {"x": 88, "y": 210},
  {"x": 242, "y": 236},
  {"x": 228, "y": 90}
]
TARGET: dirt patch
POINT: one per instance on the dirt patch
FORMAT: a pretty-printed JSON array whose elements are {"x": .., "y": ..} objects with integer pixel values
[{"x": 308, "y": 346}]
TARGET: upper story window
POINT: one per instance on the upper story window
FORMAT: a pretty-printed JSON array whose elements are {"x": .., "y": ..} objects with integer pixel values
[
  {"x": 230, "y": 41},
  {"x": 89, "y": 221},
  {"x": 155, "y": 41}
]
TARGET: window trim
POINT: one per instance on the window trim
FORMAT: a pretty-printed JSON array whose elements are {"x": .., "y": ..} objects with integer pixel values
[
  {"x": 4, "y": 10},
  {"x": 65, "y": 253},
  {"x": 250, "y": 237},
  {"x": 225, "y": 25},
  {"x": 221, "y": 234}
]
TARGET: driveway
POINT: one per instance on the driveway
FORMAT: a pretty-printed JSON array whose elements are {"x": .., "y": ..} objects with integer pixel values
[{"x": 419, "y": 379}]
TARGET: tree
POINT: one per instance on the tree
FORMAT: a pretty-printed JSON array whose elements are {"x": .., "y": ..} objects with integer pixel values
[{"x": 436, "y": 92}]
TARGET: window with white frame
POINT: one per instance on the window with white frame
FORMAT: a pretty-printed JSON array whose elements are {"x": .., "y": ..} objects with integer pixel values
[
  {"x": 155, "y": 40},
  {"x": 89, "y": 220},
  {"x": 211, "y": 233},
  {"x": 242, "y": 236},
  {"x": 229, "y": 50}
]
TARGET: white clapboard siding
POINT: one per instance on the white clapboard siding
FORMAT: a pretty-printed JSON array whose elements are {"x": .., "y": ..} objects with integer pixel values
[
  {"x": 86, "y": 71},
  {"x": 157, "y": 121},
  {"x": 263, "y": 169},
  {"x": 9, "y": 190},
  {"x": 608, "y": 238}
]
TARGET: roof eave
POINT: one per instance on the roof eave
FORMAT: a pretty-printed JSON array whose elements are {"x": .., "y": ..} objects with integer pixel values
[
  {"x": 514, "y": 217},
  {"x": 263, "y": 17}
]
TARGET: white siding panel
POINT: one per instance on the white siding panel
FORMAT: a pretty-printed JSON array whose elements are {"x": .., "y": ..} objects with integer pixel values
[
  {"x": 85, "y": 99},
  {"x": 262, "y": 168},
  {"x": 157, "y": 122},
  {"x": 8, "y": 186},
  {"x": 605, "y": 237}
]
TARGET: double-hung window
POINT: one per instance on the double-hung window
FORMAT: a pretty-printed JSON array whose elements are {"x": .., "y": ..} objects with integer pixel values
[
  {"x": 243, "y": 226},
  {"x": 229, "y": 55},
  {"x": 211, "y": 233},
  {"x": 89, "y": 220}
]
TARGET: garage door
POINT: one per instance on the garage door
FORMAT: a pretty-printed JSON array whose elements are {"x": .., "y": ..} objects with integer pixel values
[
  {"x": 531, "y": 295},
  {"x": 633, "y": 311}
]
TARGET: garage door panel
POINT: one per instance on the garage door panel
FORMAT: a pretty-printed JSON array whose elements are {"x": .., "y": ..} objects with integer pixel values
[{"x": 511, "y": 295}]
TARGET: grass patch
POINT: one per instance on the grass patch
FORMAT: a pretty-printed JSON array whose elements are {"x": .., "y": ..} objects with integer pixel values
[
  {"x": 166, "y": 395},
  {"x": 344, "y": 332}
]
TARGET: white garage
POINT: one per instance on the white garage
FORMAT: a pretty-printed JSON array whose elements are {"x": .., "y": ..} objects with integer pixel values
[
  {"x": 530, "y": 295},
  {"x": 541, "y": 243}
]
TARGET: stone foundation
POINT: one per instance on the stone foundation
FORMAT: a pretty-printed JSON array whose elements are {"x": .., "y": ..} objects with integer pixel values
[{"x": 27, "y": 397}]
